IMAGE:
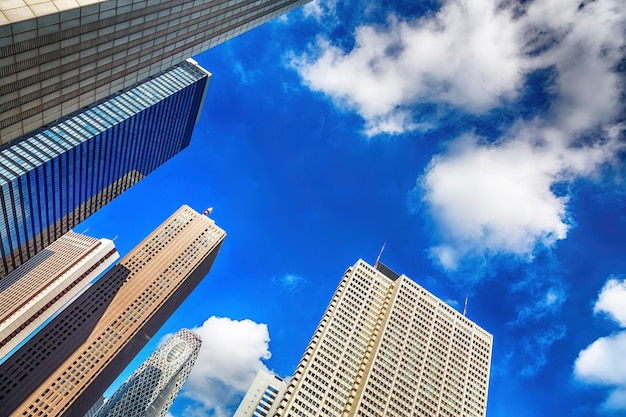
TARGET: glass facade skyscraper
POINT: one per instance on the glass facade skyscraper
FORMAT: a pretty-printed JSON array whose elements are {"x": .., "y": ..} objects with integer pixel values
[
  {"x": 55, "y": 177},
  {"x": 153, "y": 387}
]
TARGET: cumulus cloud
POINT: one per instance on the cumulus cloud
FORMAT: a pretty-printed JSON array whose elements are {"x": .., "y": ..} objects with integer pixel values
[
  {"x": 466, "y": 56},
  {"x": 232, "y": 353},
  {"x": 603, "y": 362},
  {"x": 612, "y": 300},
  {"x": 499, "y": 198}
]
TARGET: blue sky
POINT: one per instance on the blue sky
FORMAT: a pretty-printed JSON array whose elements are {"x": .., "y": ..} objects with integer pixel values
[{"x": 485, "y": 144}]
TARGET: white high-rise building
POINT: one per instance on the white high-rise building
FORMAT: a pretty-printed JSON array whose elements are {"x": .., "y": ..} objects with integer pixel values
[
  {"x": 262, "y": 397},
  {"x": 387, "y": 347},
  {"x": 153, "y": 387}
]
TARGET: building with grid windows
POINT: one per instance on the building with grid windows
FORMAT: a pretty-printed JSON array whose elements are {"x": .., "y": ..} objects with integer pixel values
[
  {"x": 387, "y": 347},
  {"x": 32, "y": 293},
  {"x": 57, "y": 176},
  {"x": 65, "y": 368},
  {"x": 153, "y": 387},
  {"x": 59, "y": 56},
  {"x": 263, "y": 396}
]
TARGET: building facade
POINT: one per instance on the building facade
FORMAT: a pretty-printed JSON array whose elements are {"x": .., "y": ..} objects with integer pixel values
[
  {"x": 263, "y": 396},
  {"x": 66, "y": 366},
  {"x": 387, "y": 347},
  {"x": 31, "y": 294},
  {"x": 153, "y": 387},
  {"x": 57, "y": 176},
  {"x": 59, "y": 56}
]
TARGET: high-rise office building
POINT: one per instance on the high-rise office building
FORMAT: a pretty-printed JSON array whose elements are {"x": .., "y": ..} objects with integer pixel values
[
  {"x": 31, "y": 294},
  {"x": 387, "y": 347},
  {"x": 67, "y": 365},
  {"x": 57, "y": 56},
  {"x": 153, "y": 387},
  {"x": 55, "y": 177},
  {"x": 263, "y": 396}
]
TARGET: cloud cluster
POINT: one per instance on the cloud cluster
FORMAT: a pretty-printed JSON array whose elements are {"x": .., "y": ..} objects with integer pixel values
[
  {"x": 231, "y": 354},
  {"x": 488, "y": 196},
  {"x": 499, "y": 197},
  {"x": 603, "y": 362}
]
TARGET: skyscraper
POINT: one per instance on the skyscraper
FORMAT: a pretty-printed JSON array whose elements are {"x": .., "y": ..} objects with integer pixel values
[
  {"x": 31, "y": 294},
  {"x": 153, "y": 387},
  {"x": 387, "y": 347},
  {"x": 57, "y": 56},
  {"x": 263, "y": 396},
  {"x": 66, "y": 367},
  {"x": 55, "y": 177}
]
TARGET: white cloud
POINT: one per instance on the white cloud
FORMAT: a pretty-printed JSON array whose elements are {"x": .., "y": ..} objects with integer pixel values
[
  {"x": 232, "y": 353},
  {"x": 535, "y": 350},
  {"x": 320, "y": 9},
  {"x": 497, "y": 197},
  {"x": 493, "y": 199},
  {"x": 291, "y": 282},
  {"x": 612, "y": 301},
  {"x": 604, "y": 362},
  {"x": 546, "y": 303},
  {"x": 466, "y": 56}
]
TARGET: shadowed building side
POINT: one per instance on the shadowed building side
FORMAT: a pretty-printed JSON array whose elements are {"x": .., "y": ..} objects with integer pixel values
[
  {"x": 31, "y": 294},
  {"x": 98, "y": 335}
]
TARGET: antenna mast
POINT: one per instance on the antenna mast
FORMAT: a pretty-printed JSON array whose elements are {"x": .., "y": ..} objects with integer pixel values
[
  {"x": 465, "y": 307},
  {"x": 380, "y": 254}
]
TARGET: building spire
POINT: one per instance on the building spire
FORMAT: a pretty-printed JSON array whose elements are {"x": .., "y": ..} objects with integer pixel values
[
  {"x": 465, "y": 306},
  {"x": 380, "y": 254}
]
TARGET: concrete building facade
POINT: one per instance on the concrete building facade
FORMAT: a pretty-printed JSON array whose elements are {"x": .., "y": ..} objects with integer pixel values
[
  {"x": 57, "y": 176},
  {"x": 153, "y": 387},
  {"x": 65, "y": 368},
  {"x": 387, "y": 347},
  {"x": 31, "y": 294},
  {"x": 263, "y": 396},
  {"x": 57, "y": 56}
]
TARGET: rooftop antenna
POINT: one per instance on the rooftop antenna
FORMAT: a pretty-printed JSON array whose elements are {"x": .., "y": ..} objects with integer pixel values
[
  {"x": 380, "y": 254},
  {"x": 207, "y": 211},
  {"x": 465, "y": 307},
  {"x": 116, "y": 236},
  {"x": 85, "y": 231}
]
